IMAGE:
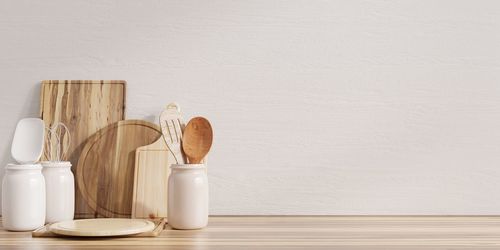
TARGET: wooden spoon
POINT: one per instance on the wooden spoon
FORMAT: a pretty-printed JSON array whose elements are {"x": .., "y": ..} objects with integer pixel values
[{"x": 197, "y": 139}]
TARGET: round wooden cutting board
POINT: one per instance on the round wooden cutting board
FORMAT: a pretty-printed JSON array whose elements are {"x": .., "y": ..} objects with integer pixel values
[
  {"x": 101, "y": 227},
  {"x": 105, "y": 171}
]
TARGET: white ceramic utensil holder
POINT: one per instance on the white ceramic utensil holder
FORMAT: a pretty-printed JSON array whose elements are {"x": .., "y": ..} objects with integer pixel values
[
  {"x": 23, "y": 197},
  {"x": 188, "y": 196},
  {"x": 23, "y": 186},
  {"x": 60, "y": 187}
]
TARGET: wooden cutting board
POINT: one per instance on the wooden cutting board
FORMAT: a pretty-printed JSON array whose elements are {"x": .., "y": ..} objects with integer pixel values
[
  {"x": 152, "y": 168},
  {"x": 85, "y": 107},
  {"x": 159, "y": 226},
  {"x": 105, "y": 171},
  {"x": 102, "y": 227}
]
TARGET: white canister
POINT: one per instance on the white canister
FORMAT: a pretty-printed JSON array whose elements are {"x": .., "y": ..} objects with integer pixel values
[
  {"x": 60, "y": 187},
  {"x": 188, "y": 196},
  {"x": 23, "y": 197}
]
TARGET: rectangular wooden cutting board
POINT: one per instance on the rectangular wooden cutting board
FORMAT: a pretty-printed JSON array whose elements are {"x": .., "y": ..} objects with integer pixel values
[
  {"x": 85, "y": 106},
  {"x": 152, "y": 168}
]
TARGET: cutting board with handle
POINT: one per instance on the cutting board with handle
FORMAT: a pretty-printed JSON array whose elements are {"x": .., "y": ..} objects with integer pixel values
[
  {"x": 105, "y": 170},
  {"x": 85, "y": 107},
  {"x": 152, "y": 168}
]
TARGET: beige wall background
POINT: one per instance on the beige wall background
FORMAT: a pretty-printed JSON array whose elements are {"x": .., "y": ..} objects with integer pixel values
[{"x": 319, "y": 107}]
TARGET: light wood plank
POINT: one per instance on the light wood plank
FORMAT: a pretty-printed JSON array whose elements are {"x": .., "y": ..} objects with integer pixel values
[
  {"x": 344, "y": 232},
  {"x": 152, "y": 169}
]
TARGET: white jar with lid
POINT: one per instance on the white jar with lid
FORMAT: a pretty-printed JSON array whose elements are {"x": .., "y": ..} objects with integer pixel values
[
  {"x": 23, "y": 197},
  {"x": 188, "y": 196},
  {"x": 60, "y": 187}
]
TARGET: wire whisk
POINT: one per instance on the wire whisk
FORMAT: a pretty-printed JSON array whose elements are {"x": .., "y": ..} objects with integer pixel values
[{"x": 57, "y": 142}]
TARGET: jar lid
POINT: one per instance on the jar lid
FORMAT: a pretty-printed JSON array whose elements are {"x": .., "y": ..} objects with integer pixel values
[
  {"x": 56, "y": 164},
  {"x": 23, "y": 166},
  {"x": 188, "y": 166}
]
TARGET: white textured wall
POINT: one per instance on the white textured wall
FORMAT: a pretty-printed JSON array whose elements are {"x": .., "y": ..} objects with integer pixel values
[{"x": 319, "y": 107}]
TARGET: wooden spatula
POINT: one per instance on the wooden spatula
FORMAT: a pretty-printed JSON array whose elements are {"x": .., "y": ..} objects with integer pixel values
[
  {"x": 172, "y": 128},
  {"x": 197, "y": 139}
]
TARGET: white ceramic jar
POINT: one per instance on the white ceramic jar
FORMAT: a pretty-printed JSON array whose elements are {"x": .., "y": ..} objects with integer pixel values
[
  {"x": 60, "y": 187},
  {"x": 23, "y": 197},
  {"x": 188, "y": 196}
]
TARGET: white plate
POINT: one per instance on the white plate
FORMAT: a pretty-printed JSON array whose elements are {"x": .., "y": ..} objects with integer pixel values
[{"x": 101, "y": 227}]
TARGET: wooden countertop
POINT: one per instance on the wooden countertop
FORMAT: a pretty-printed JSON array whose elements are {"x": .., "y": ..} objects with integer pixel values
[{"x": 333, "y": 232}]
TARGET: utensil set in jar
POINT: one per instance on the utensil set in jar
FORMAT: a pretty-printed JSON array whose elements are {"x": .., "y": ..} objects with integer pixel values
[
  {"x": 36, "y": 193},
  {"x": 88, "y": 141},
  {"x": 187, "y": 183}
]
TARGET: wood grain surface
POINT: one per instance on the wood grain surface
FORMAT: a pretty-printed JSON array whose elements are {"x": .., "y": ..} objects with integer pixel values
[
  {"x": 152, "y": 168},
  {"x": 105, "y": 171},
  {"x": 365, "y": 232},
  {"x": 85, "y": 107}
]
